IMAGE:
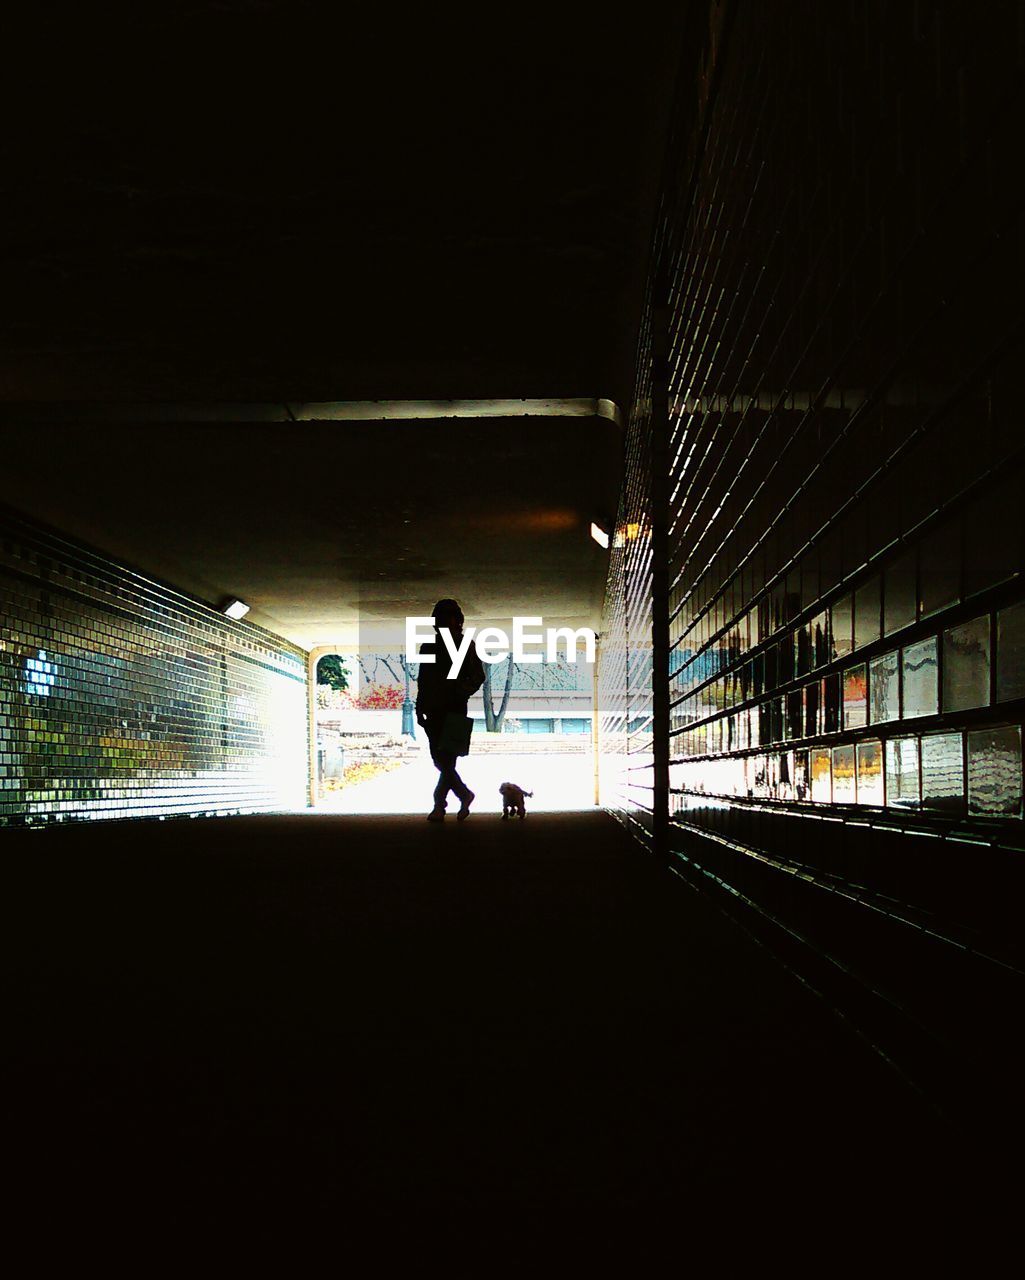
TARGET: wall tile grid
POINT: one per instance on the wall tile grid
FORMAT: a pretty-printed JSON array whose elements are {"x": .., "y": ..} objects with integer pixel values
[
  {"x": 624, "y": 661},
  {"x": 121, "y": 698},
  {"x": 846, "y": 532}
]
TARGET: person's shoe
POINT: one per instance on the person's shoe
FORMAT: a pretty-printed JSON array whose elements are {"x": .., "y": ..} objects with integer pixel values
[
  {"x": 464, "y": 808},
  {"x": 436, "y": 815}
]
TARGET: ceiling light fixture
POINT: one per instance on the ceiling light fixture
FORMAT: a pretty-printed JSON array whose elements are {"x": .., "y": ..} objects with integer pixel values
[
  {"x": 234, "y": 609},
  {"x": 600, "y": 534}
]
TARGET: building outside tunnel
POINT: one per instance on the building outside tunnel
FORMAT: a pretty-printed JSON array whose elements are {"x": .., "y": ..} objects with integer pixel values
[{"x": 810, "y": 687}]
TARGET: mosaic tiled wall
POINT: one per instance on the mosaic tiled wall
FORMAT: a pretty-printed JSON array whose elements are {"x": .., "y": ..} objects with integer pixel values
[
  {"x": 120, "y": 698},
  {"x": 842, "y": 242}
]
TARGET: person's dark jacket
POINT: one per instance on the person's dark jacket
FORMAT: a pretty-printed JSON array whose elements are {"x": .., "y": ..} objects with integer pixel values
[{"x": 435, "y": 692}]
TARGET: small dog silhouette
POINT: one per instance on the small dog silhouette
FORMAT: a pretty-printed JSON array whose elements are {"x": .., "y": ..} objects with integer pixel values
[{"x": 512, "y": 800}]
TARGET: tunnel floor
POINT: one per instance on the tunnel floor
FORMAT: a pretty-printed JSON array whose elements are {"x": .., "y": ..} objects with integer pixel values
[{"x": 257, "y": 1018}]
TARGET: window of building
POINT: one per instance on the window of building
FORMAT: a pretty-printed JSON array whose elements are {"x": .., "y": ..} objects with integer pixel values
[
  {"x": 939, "y": 579},
  {"x": 994, "y": 772},
  {"x": 866, "y": 613},
  {"x": 919, "y": 674},
  {"x": 966, "y": 665},
  {"x": 870, "y": 772},
  {"x": 884, "y": 688},
  {"x": 841, "y": 624},
  {"x": 899, "y": 594},
  {"x": 844, "y": 780},
  {"x": 855, "y": 697},
  {"x": 1011, "y": 653},
  {"x": 902, "y": 773},
  {"x": 943, "y": 772},
  {"x": 821, "y": 775}
]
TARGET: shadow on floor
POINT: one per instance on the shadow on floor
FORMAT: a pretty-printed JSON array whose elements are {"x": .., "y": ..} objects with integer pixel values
[{"x": 309, "y": 1017}]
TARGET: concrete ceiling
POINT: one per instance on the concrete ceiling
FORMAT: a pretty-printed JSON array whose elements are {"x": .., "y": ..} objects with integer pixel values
[
  {"x": 336, "y": 531},
  {"x": 260, "y": 201}
]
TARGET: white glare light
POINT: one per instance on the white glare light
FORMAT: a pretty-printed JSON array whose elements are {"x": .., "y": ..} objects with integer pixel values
[
  {"x": 600, "y": 536},
  {"x": 235, "y": 609}
]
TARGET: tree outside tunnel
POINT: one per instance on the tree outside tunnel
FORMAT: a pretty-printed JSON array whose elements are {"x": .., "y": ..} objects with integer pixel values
[
  {"x": 362, "y": 728},
  {"x": 331, "y": 672},
  {"x": 494, "y": 720}
]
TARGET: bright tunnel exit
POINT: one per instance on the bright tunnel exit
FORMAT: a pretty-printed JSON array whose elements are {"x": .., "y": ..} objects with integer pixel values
[{"x": 533, "y": 726}]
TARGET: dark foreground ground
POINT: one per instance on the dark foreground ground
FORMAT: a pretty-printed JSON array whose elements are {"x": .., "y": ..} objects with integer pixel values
[{"x": 273, "y": 1026}]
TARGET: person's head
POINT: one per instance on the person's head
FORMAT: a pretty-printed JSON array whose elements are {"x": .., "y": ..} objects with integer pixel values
[{"x": 446, "y": 613}]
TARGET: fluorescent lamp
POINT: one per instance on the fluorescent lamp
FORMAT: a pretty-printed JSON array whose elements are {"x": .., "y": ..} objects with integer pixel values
[
  {"x": 600, "y": 535},
  {"x": 235, "y": 609}
]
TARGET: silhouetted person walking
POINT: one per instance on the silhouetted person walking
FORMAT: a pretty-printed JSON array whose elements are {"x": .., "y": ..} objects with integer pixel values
[{"x": 438, "y": 697}]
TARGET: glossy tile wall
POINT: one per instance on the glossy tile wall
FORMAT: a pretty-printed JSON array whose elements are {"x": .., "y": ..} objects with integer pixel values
[
  {"x": 841, "y": 246},
  {"x": 121, "y": 698},
  {"x": 624, "y": 664}
]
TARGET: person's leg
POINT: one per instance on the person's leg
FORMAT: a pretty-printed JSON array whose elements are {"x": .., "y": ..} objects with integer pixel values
[
  {"x": 441, "y": 788},
  {"x": 460, "y": 788},
  {"x": 448, "y": 777},
  {"x": 445, "y": 764},
  {"x": 456, "y": 784}
]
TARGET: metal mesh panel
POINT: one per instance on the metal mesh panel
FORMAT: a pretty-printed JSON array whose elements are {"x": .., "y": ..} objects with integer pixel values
[{"x": 120, "y": 698}]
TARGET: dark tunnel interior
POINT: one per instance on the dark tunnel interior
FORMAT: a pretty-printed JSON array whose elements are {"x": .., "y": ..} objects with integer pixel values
[{"x": 694, "y": 327}]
